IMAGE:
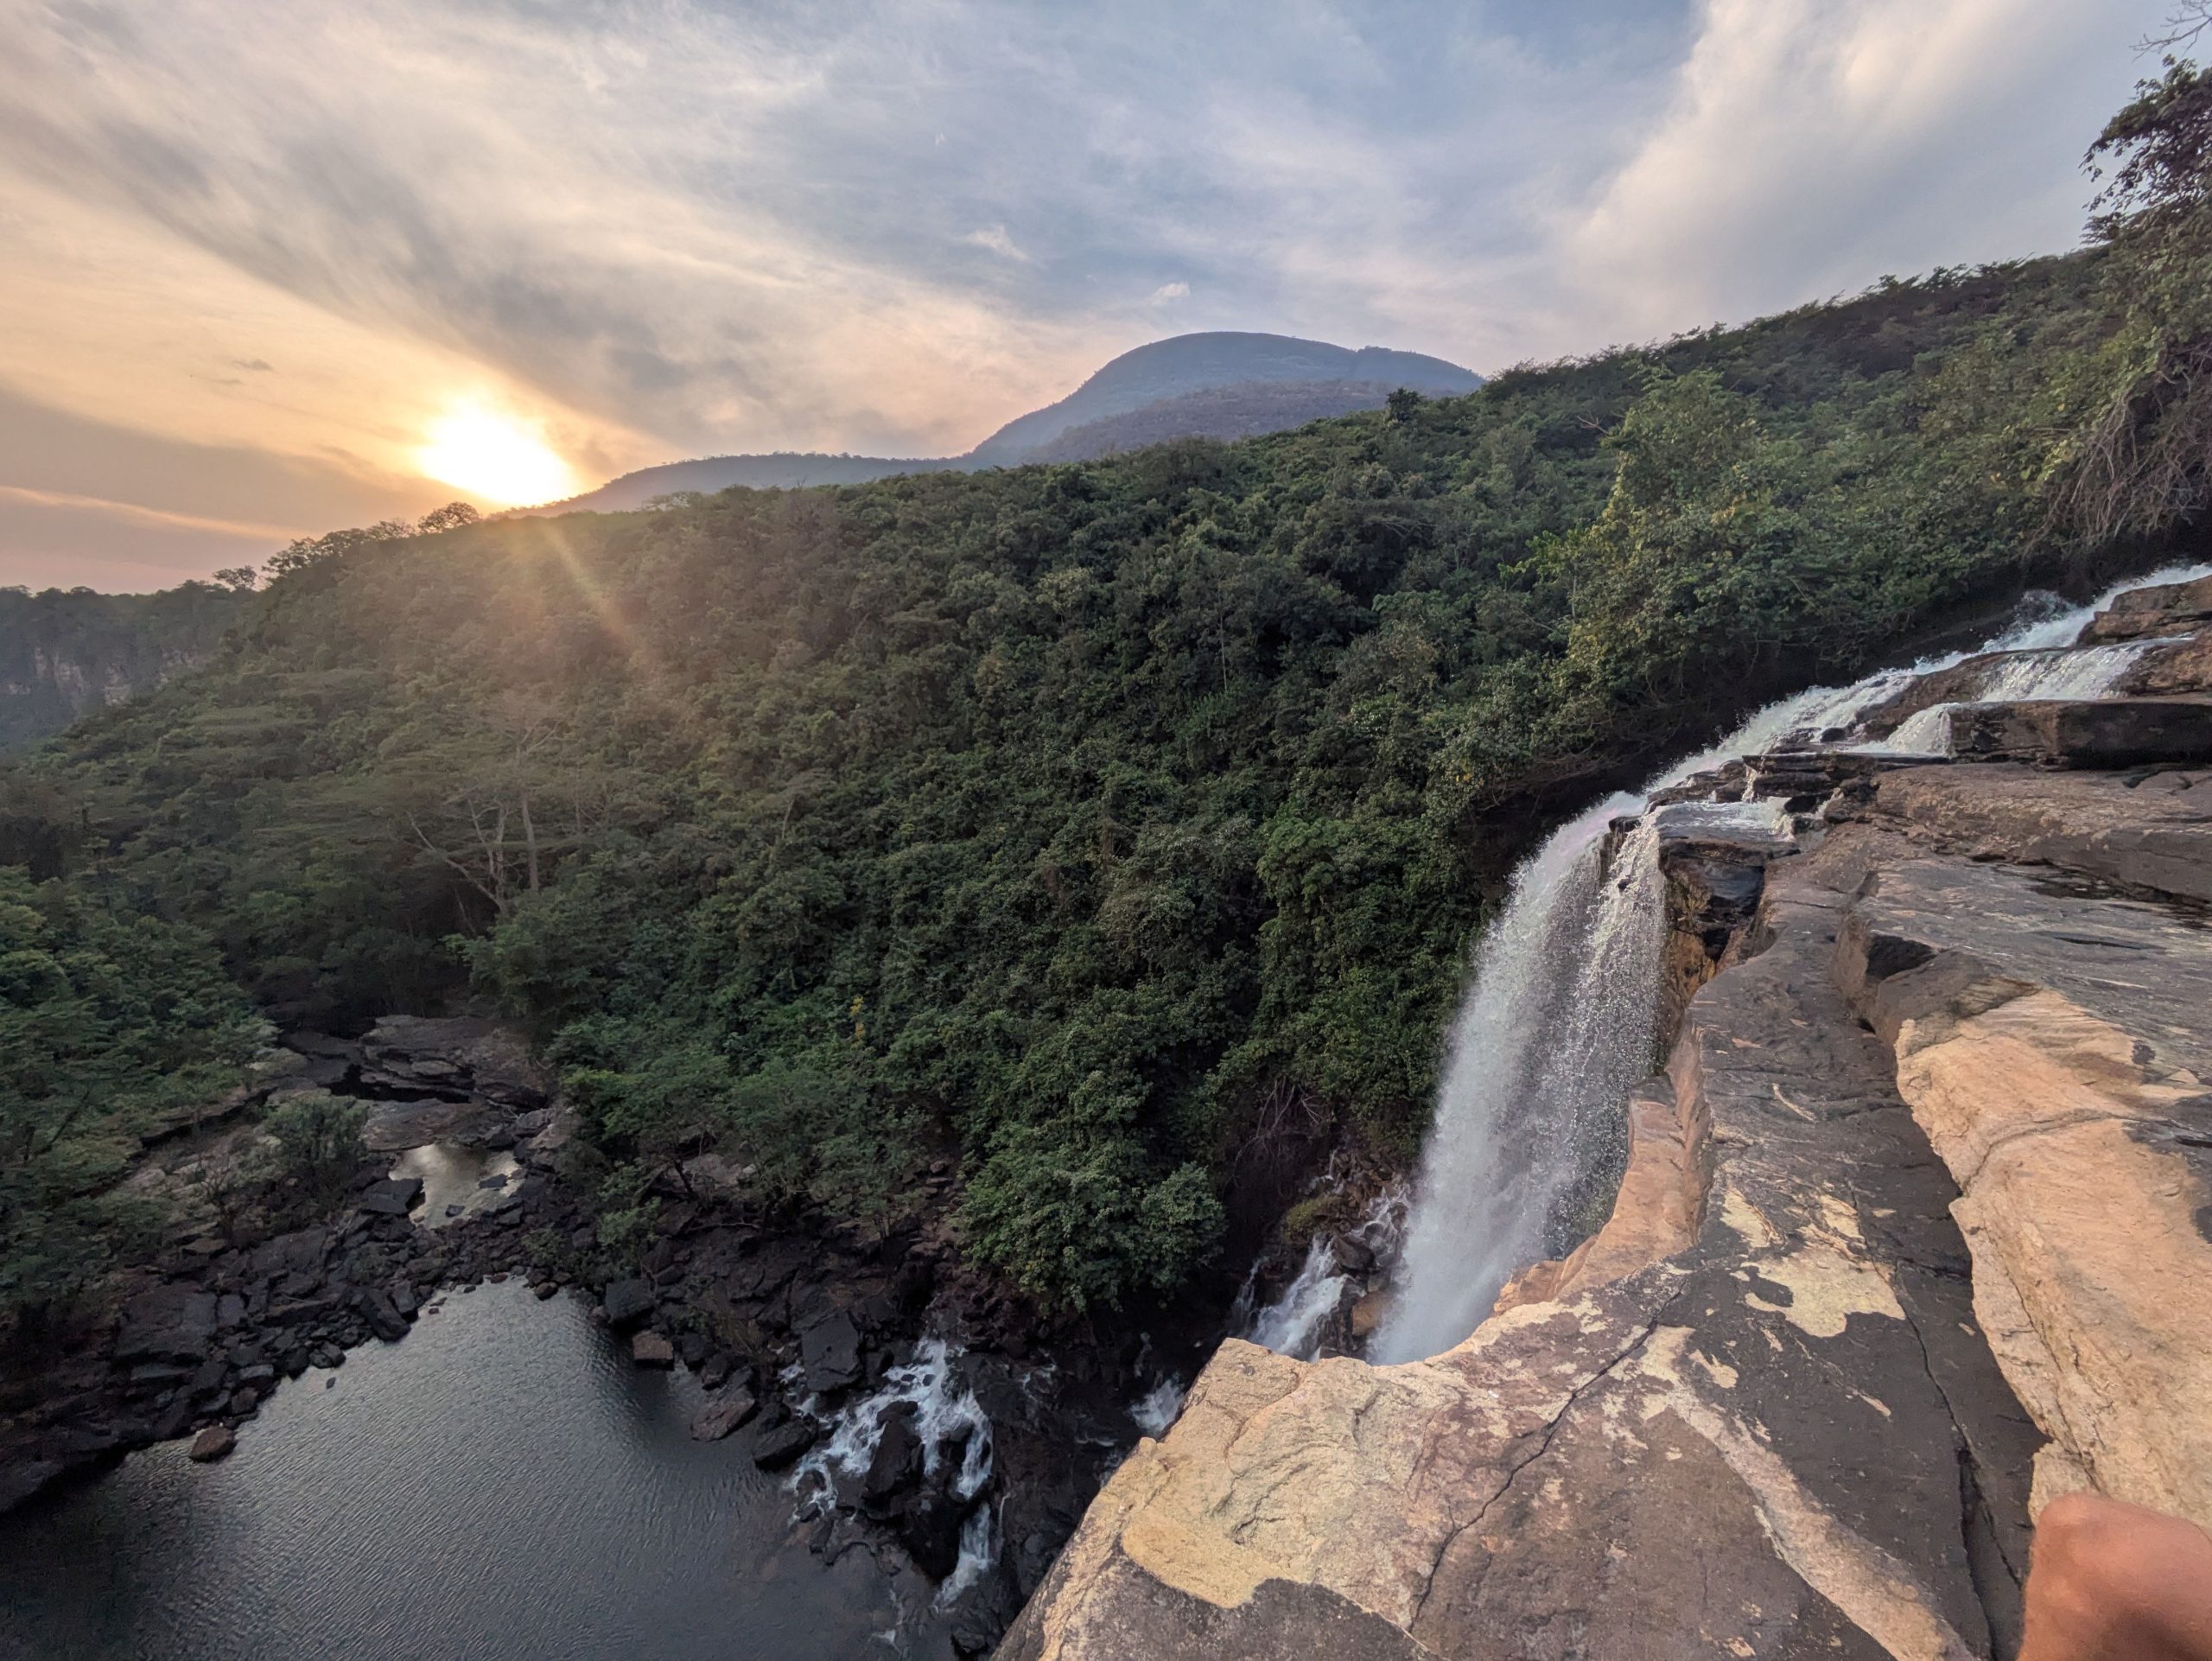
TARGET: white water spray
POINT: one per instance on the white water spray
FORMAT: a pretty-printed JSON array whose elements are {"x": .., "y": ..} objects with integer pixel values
[
  {"x": 2047, "y": 672},
  {"x": 1560, "y": 1019},
  {"x": 1296, "y": 1322},
  {"x": 946, "y": 1415}
]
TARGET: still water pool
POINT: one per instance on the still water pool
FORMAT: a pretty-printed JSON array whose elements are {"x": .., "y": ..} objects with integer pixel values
[{"x": 502, "y": 1485}]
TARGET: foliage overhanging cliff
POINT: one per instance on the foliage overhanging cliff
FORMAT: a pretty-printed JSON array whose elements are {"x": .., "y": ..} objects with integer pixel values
[{"x": 1114, "y": 825}]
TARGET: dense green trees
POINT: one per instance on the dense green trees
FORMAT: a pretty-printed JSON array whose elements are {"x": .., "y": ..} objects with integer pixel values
[
  {"x": 112, "y": 1026},
  {"x": 1115, "y": 832}
]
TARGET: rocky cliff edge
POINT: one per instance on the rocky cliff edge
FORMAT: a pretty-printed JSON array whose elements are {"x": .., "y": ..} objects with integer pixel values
[{"x": 1913, "y": 1236}]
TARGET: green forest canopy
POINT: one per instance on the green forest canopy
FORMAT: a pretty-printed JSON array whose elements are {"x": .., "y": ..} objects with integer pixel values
[{"x": 1112, "y": 827}]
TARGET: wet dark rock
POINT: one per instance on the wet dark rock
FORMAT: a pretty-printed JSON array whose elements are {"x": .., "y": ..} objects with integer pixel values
[
  {"x": 728, "y": 1410},
  {"x": 213, "y": 1443},
  {"x": 627, "y": 1302},
  {"x": 784, "y": 1444},
  {"x": 929, "y": 1527},
  {"x": 384, "y": 1321},
  {"x": 243, "y": 1402},
  {"x": 391, "y": 1196},
  {"x": 169, "y": 1323},
  {"x": 714, "y": 1370},
  {"x": 897, "y": 1464},
  {"x": 830, "y": 1351}
]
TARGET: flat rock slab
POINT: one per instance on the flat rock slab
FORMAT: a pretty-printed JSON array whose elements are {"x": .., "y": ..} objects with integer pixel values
[
  {"x": 213, "y": 1443},
  {"x": 726, "y": 1413},
  {"x": 2150, "y": 832},
  {"x": 391, "y": 1196},
  {"x": 2090, "y": 733},
  {"x": 830, "y": 1353},
  {"x": 395, "y": 1127},
  {"x": 2143, "y": 613},
  {"x": 652, "y": 1350},
  {"x": 462, "y": 1052},
  {"x": 169, "y": 1323}
]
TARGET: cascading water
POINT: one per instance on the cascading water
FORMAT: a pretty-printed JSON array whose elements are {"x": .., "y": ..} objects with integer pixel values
[
  {"x": 2089, "y": 673},
  {"x": 1295, "y": 1323},
  {"x": 1560, "y": 1019},
  {"x": 946, "y": 1416}
]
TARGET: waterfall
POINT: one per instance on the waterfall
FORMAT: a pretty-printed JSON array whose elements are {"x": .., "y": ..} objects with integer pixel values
[
  {"x": 1292, "y": 1324},
  {"x": 2049, "y": 672},
  {"x": 1296, "y": 1321},
  {"x": 1559, "y": 1018}
]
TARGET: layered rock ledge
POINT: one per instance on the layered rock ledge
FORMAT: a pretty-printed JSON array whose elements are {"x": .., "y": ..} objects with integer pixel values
[{"x": 1913, "y": 1236}]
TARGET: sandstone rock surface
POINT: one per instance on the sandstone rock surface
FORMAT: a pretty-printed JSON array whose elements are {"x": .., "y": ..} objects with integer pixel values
[{"x": 1914, "y": 1232}]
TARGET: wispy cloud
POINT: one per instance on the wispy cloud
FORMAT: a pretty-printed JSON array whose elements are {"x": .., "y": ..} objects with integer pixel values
[
  {"x": 994, "y": 238},
  {"x": 664, "y": 227}
]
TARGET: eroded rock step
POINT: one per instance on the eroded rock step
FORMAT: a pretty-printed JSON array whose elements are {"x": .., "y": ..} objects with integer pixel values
[
  {"x": 1787, "y": 1438},
  {"x": 2051, "y": 1038}
]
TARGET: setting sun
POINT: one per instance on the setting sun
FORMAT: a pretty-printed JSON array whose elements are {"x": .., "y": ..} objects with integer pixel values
[{"x": 494, "y": 457}]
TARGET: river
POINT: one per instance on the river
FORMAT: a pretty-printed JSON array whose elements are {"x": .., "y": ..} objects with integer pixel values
[{"x": 502, "y": 1483}]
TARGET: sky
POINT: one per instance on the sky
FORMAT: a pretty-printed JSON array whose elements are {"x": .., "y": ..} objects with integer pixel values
[{"x": 271, "y": 267}]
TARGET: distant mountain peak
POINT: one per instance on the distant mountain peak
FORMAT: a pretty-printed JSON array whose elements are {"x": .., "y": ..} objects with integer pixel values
[
  {"x": 1193, "y": 363},
  {"x": 1222, "y": 384}
]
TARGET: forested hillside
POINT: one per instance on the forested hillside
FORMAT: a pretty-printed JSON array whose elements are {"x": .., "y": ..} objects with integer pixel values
[{"x": 1118, "y": 829}]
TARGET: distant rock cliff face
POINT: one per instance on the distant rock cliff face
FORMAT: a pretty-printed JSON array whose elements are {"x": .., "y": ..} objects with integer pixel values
[
  {"x": 65, "y": 654},
  {"x": 1913, "y": 1236}
]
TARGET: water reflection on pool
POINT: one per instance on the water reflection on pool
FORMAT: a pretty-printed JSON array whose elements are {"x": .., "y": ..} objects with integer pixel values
[{"x": 502, "y": 1484}]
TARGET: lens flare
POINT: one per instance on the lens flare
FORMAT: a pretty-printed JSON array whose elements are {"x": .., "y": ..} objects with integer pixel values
[{"x": 494, "y": 458}]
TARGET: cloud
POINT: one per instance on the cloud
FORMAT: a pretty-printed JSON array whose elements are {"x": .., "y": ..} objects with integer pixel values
[
  {"x": 668, "y": 227},
  {"x": 994, "y": 238},
  {"x": 1809, "y": 148}
]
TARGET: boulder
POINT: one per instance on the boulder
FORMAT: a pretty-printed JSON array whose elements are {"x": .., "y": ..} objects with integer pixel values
[
  {"x": 829, "y": 1352},
  {"x": 929, "y": 1528},
  {"x": 391, "y": 1196},
  {"x": 724, "y": 1414},
  {"x": 385, "y": 1320},
  {"x": 896, "y": 1465},
  {"x": 169, "y": 1323},
  {"x": 627, "y": 1302},
  {"x": 775, "y": 1449},
  {"x": 652, "y": 1350},
  {"x": 213, "y": 1443},
  {"x": 2144, "y": 613}
]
